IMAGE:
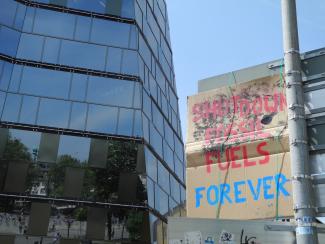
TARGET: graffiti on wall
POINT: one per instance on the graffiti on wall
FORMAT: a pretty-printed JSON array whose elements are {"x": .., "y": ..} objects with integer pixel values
[{"x": 239, "y": 128}]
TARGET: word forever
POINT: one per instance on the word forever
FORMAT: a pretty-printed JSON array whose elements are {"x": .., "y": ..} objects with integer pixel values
[{"x": 268, "y": 187}]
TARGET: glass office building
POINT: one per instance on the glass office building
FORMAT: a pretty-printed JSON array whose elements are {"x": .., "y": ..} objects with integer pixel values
[{"x": 90, "y": 139}]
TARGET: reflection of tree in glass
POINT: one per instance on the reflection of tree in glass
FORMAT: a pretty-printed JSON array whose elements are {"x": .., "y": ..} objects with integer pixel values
[
  {"x": 57, "y": 173},
  {"x": 16, "y": 150},
  {"x": 102, "y": 184},
  {"x": 134, "y": 224}
]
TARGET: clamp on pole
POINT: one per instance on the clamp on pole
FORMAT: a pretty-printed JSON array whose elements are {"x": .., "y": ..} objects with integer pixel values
[
  {"x": 289, "y": 84},
  {"x": 295, "y": 142},
  {"x": 307, "y": 206},
  {"x": 295, "y": 105},
  {"x": 301, "y": 177},
  {"x": 292, "y": 51},
  {"x": 296, "y": 117},
  {"x": 292, "y": 72}
]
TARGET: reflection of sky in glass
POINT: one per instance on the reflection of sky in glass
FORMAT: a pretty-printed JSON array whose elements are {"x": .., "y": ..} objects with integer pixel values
[
  {"x": 30, "y": 139},
  {"x": 313, "y": 99},
  {"x": 76, "y": 147}
]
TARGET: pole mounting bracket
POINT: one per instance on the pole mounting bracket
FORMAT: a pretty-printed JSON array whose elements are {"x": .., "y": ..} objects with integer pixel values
[
  {"x": 291, "y": 51},
  {"x": 289, "y": 84},
  {"x": 300, "y": 177},
  {"x": 295, "y": 105},
  {"x": 296, "y": 141},
  {"x": 306, "y": 206},
  {"x": 292, "y": 72},
  {"x": 296, "y": 117}
]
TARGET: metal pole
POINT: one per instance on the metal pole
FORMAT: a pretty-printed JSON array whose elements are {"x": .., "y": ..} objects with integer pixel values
[{"x": 303, "y": 196}]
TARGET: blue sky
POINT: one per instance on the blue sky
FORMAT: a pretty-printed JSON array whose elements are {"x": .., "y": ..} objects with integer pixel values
[{"x": 211, "y": 37}]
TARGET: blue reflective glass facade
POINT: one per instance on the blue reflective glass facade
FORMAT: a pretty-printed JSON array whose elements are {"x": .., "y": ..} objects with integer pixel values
[{"x": 89, "y": 120}]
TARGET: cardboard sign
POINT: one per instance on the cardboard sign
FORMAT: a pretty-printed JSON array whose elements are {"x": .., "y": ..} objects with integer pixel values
[{"x": 238, "y": 164}]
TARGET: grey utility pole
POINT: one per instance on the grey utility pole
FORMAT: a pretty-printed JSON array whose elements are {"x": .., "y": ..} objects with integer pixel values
[{"x": 303, "y": 195}]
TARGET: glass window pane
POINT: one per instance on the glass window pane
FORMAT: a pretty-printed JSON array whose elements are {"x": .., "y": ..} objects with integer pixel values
[
  {"x": 6, "y": 75},
  {"x": 30, "y": 140},
  {"x": 315, "y": 99},
  {"x": 130, "y": 64},
  {"x": 151, "y": 192},
  {"x": 128, "y": 9},
  {"x": 179, "y": 148},
  {"x": 9, "y": 40},
  {"x": 53, "y": 23},
  {"x": 39, "y": 219},
  {"x": 30, "y": 47},
  {"x": 78, "y": 87},
  {"x": 98, "y": 6},
  {"x": 98, "y": 153},
  {"x": 158, "y": 119},
  {"x": 54, "y": 113},
  {"x": 163, "y": 177},
  {"x": 156, "y": 140},
  {"x": 110, "y": 91},
  {"x": 133, "y": 44},
  {"x": 73, "y": 182},
  {"x": 83, "y": 55},
  {"x": 168, "y": 156},
  {"x": 114, "y": 7},
  {"x": 145, "y": 127},
  {"x": 11, "y": 108},
  {"x": 161, "y": 200},
  {"x": 74, "y": 148},
  {"x": 110, "y": 33},
  {"x": 78, "y": 116},
  {"x": 146, "y": 104},
  {"x": 102, "y": 119},
  {"x": 2, "y": 100},
  {"x": 169, "y": 135},
  {"x": 137, "y": 95},
  {"x": 45, "y": 82},
  {"x": 15, "y": 78},
  {"x": 96, "y": 223},
  {"x": 51, "y": 50},
  {"x": 114, "y": 60},
  {"x": 175, "y": 189},
  {"x": 7, "y": 12},
  {"x": 20, "y": 16},
  {"x": 151, "y": 164},
  {"x": 125, "y": 122},
  {"x": 29, "y": 110},
  {"x": 137, "y": 127},
  {"x": 48, "y": 148},
  {"x": 82, "y": 32},
  {"x": 179, "y": 169},
  {"x": 29, "y": 20}
]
